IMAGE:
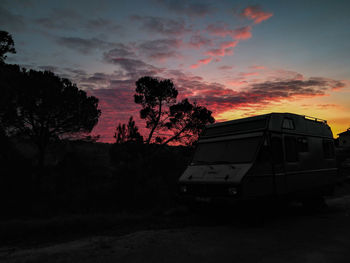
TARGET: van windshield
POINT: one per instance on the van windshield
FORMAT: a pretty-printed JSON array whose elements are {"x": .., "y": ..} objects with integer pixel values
[{"x": 228, "y": 151}]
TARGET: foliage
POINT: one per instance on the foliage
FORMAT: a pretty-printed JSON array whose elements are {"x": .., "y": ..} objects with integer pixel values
[
  {"x": 184, "y": 120},
  {"x": 154, "y": 95},
  {"x": 45, "y": 107},
  {"x": 187, "y": 121},
  {"x": 126, "y": 133},
  {"x": 11, "y": 79},
  {"x": 7, "y": 45}
]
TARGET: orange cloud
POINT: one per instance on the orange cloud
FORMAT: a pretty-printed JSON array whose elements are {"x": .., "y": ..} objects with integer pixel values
[{"x": 256, "y": 13}]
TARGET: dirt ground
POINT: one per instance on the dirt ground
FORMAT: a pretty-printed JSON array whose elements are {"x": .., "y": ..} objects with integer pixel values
[{"x": 292, "y": 235}]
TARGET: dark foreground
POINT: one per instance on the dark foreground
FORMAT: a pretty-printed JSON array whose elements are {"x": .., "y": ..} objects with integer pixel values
[{"x": 287, "y": 234}]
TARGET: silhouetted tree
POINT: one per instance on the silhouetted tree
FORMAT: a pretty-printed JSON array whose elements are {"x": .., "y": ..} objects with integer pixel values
[
  {"x": 7, "y": 45},
  {"x": 128, "y": 133},
  {"x": 11, "y": 78},
  {"x": 154, "y": 96},
  {"x": 187, "y": 121},
  {"x": 49, "y": 108}
]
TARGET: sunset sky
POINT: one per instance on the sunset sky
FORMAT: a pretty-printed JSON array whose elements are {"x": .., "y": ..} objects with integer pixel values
[{"x": 238, "y": 58}]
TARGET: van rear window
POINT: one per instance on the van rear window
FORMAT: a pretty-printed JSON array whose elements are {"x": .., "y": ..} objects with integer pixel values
[
  {"x": 288, "y": 124},
  {"x": 228, "y": 151}
]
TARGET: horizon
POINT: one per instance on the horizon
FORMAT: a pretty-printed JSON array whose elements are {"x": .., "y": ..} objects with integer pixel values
[{"x": 237, "y": 58}]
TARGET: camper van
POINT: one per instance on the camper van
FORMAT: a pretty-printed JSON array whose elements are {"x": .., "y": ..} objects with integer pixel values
[{"x": 276, "y": 154}]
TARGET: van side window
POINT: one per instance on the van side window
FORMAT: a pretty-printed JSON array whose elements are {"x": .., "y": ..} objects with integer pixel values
[
  {"x": 302, "y": 144},
  {"x": 277, "y": 150},
  {"x": 290, "y": 144},
  {"x": 288, "y": 124},
  {"x": 328, "y": 149}
]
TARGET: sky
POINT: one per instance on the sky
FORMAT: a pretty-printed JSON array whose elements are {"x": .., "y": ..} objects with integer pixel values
[{"x": 237, "y": 58}]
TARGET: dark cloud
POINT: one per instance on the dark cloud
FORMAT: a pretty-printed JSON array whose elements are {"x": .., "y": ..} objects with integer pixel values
[
  {"x": 84, "y": 45},
  {"x": 120, "y": 50},
  {"x": 187, "y": 8},
  {"x": 98, "y": 24},
  {"x": 76, "y": 71},
  {"x": 49, "y": 68},
  {"x": 218, "y": 98},
  {"x": 292, "y": 88},
  {"x": 160, "y": 25},
  {"x": 199, "y": 41},
  {"x": 133, "y": 68},
  {"x": 225, "y": 67},
  {"x": 10, "y": 21},
  {"x": 160, "y": 49},
  {"x": 60, "y": 19},
  {"x": 69, "y": 19}
]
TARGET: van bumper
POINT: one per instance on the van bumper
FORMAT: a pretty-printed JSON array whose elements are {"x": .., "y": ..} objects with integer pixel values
[{"x": 209, "y": 193}]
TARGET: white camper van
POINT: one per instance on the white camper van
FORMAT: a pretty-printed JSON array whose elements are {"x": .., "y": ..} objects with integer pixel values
[{"x": 274, "y": 154}]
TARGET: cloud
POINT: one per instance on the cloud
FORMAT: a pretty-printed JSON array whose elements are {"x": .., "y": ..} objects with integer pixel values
[
  {"x": 160, "y": 49},
  {"x": 98, "y": 24},
  {"x": 132, "y": 68},
  {"x": 160, "y": 25},
  {"x": 226, "y": 48},
  {"x": 10, "y": 21},
  {"x": 223, "y": 30},
  {"x": 200, "y": 62},
  {"x": 84, "y": 45},
  {"x": 256, "y": 67},
  {"x": 49, "y": 68},
  {"x": 248, "y": 74},
  {"x": 242, "y": 33},
  {"x": 198, "y": 41},
  {"x": 220, "y": 98},
  {"x": 116, "y": 90},
  {"x": 256, "y": 13},
  {"x": 120, "y": 50},
  {"x": 60, "y": 18},
  {"x": 225, "y": 67},
  {"x": 69, "y": 19},
  {"x": 185, "y": 7}
]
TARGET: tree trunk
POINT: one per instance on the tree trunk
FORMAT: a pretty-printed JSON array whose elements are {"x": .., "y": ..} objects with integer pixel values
[{"x": 156, "y": 123}]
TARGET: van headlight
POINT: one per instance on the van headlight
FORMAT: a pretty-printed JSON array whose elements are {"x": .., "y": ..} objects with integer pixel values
[
  {"x": 183, "y": 189},
  {"x": 232, "y": 191}
]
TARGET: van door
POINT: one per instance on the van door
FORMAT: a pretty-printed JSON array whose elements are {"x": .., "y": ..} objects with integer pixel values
[
  {"x": 279, "y": 180},
  {"x": 294, "y": 177}
]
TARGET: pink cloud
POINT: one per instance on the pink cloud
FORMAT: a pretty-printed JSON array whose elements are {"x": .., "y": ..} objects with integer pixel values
[
  {"x": 200, "y": 62},
  {"x": 226, "y": 48},
  {"x": 198, "y": 41},
  {"x": 236, "y": 82},
  {"x": 242, "y": 33},
  {"x": 219, "y": 29},
  {"x": 223, "y": 30},
  {"x": 225, "y": 67},
  {"x": 256, "y": 13},
  {"x": 248, "y": 74},
  {"x": 257, "y": 67}
]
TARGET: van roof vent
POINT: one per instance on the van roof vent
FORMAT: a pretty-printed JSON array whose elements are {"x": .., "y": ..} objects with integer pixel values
[{"x": 315, "y": 119}]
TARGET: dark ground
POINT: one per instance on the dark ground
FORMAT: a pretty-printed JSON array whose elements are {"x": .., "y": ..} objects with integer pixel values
[{"x": 279, "y": 234}]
